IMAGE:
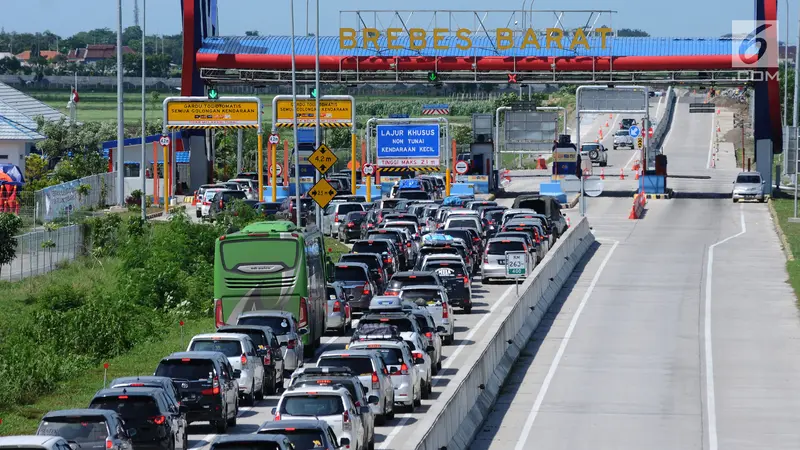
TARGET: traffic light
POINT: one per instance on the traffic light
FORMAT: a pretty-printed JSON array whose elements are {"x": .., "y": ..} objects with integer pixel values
[
  {"x": 213, "y": 94},
  {"x": 314, "y": 93},
  {"x": 433, "y": 77}
]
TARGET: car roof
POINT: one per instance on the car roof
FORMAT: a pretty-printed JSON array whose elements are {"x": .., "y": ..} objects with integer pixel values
[
  {"x": 223, "y": 329},
  {"x": 231, "y": 438},
  {"x": 141, "y": 391},
  {"x": 423, "y": 287},
  {"x": 303, "y": 424},
  {"x": 221, "y": 336},
  {"x": 29, "y": 440},
  {"x": 142, "y": 379},
  {"x": 266, "y": 313},
  {"x": 106, "y": 413},
  {"x": 507, "y": 239},
  {"x": 418, "y": 273},
  {"x": 354, "y": 264},
  {"x": 387, "y": 342},
  {"x": 196, "y": 355},
  {"x": 339, "y": 353}
]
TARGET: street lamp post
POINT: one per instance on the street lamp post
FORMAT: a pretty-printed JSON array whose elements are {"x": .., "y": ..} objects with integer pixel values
[
  {"x": 298, "y": 206},
  {"x": 144, "y": 115},
  {"x": 120, "y": 113},
  {"x": 318, "y": 210}
]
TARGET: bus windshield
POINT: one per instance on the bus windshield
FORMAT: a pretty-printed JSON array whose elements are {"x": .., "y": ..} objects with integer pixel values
[{"x": 243, "y": 252}]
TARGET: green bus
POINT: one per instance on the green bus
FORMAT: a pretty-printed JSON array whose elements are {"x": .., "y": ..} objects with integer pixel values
[{"x": 273, "y": 266}]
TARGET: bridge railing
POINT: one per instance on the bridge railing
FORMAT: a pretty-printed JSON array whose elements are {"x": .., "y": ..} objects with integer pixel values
[{"x": 665, "y": 121}]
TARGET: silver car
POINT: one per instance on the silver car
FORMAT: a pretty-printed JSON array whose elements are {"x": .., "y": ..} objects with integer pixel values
[
  {"x": 372, "y": 373},
  {"x": 409, "y": 386},
  {"x": 434, "y": 300},
  {"x": 749, "y": 186},
  {"x": 285, "y": 327},
  {"x": 494, "y": 258},
  {"x": 34, "y": 443},
  {"x": 241, "y": 353},
  {"x": 595, "y": 152},
  {"x": 340, "y": 316},
  {"x": 336, "y": 212},
  {"x": 622, "y": 138}
]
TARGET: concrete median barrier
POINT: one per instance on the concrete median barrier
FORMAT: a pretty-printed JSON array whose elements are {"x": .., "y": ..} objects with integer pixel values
[{"x": 454, "y": 419}]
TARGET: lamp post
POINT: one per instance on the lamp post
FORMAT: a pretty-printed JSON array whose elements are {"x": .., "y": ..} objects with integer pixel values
[
  {"x": 120, "y": 113},
  {"x": 143, "y": 163}
]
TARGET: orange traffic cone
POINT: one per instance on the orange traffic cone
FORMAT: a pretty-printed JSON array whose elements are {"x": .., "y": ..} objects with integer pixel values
[
  {"x": 637, "y": 175},
  {"x": 194, "y": 199},
  {"x": 621, "y": 174},
  {"x": 610, "y": 116},
  {"x": 632, "y": 215},
  {"x": 602, "y": 174},
  {"x": 606, "y": 124},
  {"x": 601, "y": 133}
]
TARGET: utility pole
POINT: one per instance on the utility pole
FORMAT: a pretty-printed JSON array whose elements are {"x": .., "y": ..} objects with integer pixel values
[
  {"x": 318, "y": 138},
  {"x": 136, "y": 12},
  {"x": 120, "y": 114},
  {"x": 144, "y": 114}
]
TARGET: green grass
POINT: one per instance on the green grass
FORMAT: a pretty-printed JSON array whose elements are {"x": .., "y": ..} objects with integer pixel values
[
  {"x": 142, "y": 360},
  {"x": 784, "y": 208},
  {"x": 336, "y": 248}
]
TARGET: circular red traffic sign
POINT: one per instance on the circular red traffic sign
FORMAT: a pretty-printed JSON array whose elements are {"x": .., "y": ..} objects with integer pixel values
[
  {"x": 274, "y": 139},
  {"x": 650, "y": 132},
  {"x": 461, "y": 167},
  {"x": 164, "y": 140},
  {"x": 280, "y": 169},
  {"x": 368, "y": 169}
]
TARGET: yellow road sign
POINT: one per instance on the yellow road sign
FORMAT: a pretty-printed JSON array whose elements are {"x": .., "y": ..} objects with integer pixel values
[
  {"x": 212, "y": 113},
  {"x": 640, "y": 142},
  {"x": 331, "y": 111},
  {"x": 322, "y": 158},
  {"x": 322, "y": 193}
]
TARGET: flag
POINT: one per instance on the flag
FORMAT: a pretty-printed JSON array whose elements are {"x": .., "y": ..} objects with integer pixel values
[{"x": 75, "y": 98}]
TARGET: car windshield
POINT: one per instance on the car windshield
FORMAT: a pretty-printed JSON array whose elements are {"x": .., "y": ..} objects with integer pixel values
[
  {"x": 410, "y": 227},
  {"x": 356, "y": 216},
  {"x": 621, "y": 133},
  {"x": 279, "y": 325},
  {"x": 501, "y": 247},
  {"x": 302, "y": 439},
  {"x": 413, "y": 195},
  {"x": 370, "y": 260},
  {"x": 589, "y": 147},
  {"x": 186, "y": 369},
  {"x": 384, "y": 234},
  {"x": 128, "y": 406},
  {"x": 228, "y": 347},
  {"x": 312, "y": 405},
  {"x": 439, "y": 251},
  {"x": 458, "y": 234},
  {"x": 256, "y": 335},
  {"x": 749, "y": 179},
  {"x": 494, "y": 215},
  {"x": 349, "y": 207},
  {"x": 458, "y": 223},
  {"x": 414, "y": 279},
  {"x": 390, "y": 356},
  {"x": 403, "y": 324},
  {"x": 359, "y": 365},
  {"x": 445, "y": 269},
  {"x": 417, "y": 296},
  {"x": 75, "y": 428},
  {"x": 371, "y": 247},
  {"x": 349, "y": 273}
]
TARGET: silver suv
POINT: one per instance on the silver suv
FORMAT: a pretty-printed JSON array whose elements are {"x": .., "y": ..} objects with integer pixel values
[
  {"x": 241, "y": 353},
  {"x": 622, "y": 138},
  {"x": 595, "y": 152},
  {"x": 372, "y": 373}
]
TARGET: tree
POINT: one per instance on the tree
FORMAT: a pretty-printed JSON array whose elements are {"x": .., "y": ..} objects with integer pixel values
[
  {"x": 251, "y": 33},
  {"x": 10, "y": 225},
  {"x": 627, "y": 32},
  {"x": 462, "y": 134}
]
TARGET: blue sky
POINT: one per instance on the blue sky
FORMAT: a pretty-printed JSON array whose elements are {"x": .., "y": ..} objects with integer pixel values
[{"x": 683, "y": 18}]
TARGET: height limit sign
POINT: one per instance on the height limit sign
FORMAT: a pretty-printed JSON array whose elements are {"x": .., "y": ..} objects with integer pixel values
[{"x": 322, "y": 159}]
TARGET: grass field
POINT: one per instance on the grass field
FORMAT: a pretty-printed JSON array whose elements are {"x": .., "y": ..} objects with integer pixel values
[{"x": 784, "y": 208}]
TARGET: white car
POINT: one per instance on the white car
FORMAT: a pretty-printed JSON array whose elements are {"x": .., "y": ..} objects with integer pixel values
[
  {"x": 205, "y": 207},
  {"x": 336, "y": 212},
  {"x": 595, "y": 152},
  {"x": 456, "y": 221},
  {"x": 437, "y": 304},
  {"x": 622, "y": 138},
  {"x": 494, "y": 257},
  {"x": 250, "y": 187},
  {"x": 372, "y": 373},
  {"x": 409, "y": 388},
  {"x": 34, "y": 442},
  {"x": 241, "y": 353},
  {"x": 333, "y": 404}
]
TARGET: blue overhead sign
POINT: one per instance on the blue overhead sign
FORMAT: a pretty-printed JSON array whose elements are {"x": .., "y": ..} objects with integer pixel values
[
  {"x": 398, "y": 116},
  {"x": 408, "y": 145}
]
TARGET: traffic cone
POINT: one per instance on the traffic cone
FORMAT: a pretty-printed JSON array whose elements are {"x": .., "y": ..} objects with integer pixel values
[
  {"x": 621, "y": 174},
  {"x": 596, "y": 140},
  {"x": 610, "y": 116},
  {"x": 606, "y": 124},
  {"x": 632, "y": 215},
  {"x": 601, "y": 133},
  {"x": 637, "y": 175},
  {"x": 602, "y": 174}
]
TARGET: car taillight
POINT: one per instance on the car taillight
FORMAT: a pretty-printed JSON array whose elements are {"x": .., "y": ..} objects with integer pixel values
[
  {"x": 158, "y": 420},
  {"x": 220, "y": 204},
  {"x": 417, "y": 355},
  {"x": 218, "y": 318},
  {"x": 445, "y": 314},
  {"x": 303, "y": 319},
  {"x": 336, "y": 218},
  {"x": 568, "y": 223},
  {"x": 389, "y": 259},
  {"x": 268, "y": 358},
  {"x": 476, "y": 239},
  {"x": 429, "y": 335},
  {"x": 350, "y": 224},
  {"x": 524, "y": 248},
  {"x": 213, "y": 390},
  {"x": 370, "y": 225},
  {"x": 403, "y": 369},
  {"x": 376, "y": 383},
  {"x": 486, "y": 257},
  {"x": 292, "y": 342},
  {"x": 244, "y": 359},
  {"x": 337, "y": 306},
  {"x": 366, "y": 290},
  {"x": 109, "y": 443},
  {"x": 277, "y": 416},
  {"x": 391, "y": 293},
  {"x": 346, "y": 425},
  {"x": 408, "y": 244}
]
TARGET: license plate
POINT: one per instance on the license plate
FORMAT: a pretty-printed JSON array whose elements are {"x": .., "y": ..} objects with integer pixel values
[{"x": 501, "y": 261}]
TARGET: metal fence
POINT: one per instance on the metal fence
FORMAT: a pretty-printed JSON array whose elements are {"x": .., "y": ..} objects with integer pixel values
[
  {"x": 41, "y": 251},
  {"x": 66, "y": 202}
]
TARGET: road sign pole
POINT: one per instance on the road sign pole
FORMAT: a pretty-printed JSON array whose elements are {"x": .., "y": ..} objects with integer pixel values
[
  {"x": 142, "y": 177},
  {"x": 369, "y": 185},
  {"x": 239, "y": 150},
  {"x": 273, "y": 154},
  {"x": 166, "y": 178},
  {"x": 298, "y": 206},
  {"x": 317, "y": 114},
  {"x": 260, "y": 167},
  {"x": 353, "y": 142}
]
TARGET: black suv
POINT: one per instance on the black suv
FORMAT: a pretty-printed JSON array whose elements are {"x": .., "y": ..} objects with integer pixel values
[
  {"x": 412, "y": 277},
  {"x": 151, "y": 420},
  {"x": 208, "y": 384},
  {"x": 268, "y": 349},
  {"x": 223, "y": 200},
  {"x": 455, "y": 276},
  {"x": 357, "y": 282},
  {"x": 173, "y": 394},
  {"x": 350, "y": 227},
  {"x": 627, "y": 123},
  {"x": 376, "y": 268}
]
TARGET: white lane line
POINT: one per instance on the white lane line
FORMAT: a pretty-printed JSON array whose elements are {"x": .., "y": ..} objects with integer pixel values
[
  {"x": 526, "y": 430},
  {"x": 711, "y": 142},
  {"x": 446, "y": 364},
  {"x": 206, "y": 440},
  {"x": 658, "y": 108},
  {"x": 711, "y": 402},
  {"x": 634, "y": 155}
]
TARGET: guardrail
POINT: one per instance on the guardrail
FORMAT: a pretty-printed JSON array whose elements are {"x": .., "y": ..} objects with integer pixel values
[
  {"x": 453, "y": 421},
  {"x": 665, "y": 122}
]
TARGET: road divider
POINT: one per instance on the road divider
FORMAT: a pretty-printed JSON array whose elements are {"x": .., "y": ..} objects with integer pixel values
[{"x": 455, "y": 418}]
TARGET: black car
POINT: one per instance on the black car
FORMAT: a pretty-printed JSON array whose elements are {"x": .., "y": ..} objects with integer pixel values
[
  {"x": 223, "y": 200},
  {"x": 376, "y": 268},
  {"x": 265, "y": 209},
  {"x": 208, "y": 384},
  {"x": 396, "y": 236},
  {"x": 384, "y": 247},
  {"x": 356, "y": 282},
  {"x": 152, "y": 422},
  {"x": 412, "y": 278},
  {"x": 469, "y": 236},
  {"x": 173, "y": 393},
  {"x": 267, "y": 348},
  {"x": 91, "y": 429},
  {"x": 370, "y": 222},
  {"x": 252, "y": 442},
  {"x": 350, "y": 227},
  {"x": 455, "y": 277},
  {"x": 306, "y": 433}
]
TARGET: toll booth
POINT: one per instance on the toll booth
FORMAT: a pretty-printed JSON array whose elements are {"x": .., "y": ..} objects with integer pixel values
[
  {"x": 481, "y": 172},
  {"x": 566, "y": 165}
]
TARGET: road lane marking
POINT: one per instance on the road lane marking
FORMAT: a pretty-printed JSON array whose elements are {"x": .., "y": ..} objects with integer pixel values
[
  {"x": 658, "y": 108},
  {"x": 711, "y": 401},
  {"x": 404, "y": 418},
  {"x": 526, "y": 430},
  {"x": 711, "y": 143},
  {"x": 205, "y": 440}
]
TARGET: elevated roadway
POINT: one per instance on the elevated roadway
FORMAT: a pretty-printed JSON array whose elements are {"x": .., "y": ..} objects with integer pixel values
[{"x": 678, "y": 331}]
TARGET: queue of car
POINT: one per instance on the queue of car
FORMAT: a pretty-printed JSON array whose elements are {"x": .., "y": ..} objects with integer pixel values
[{"x": 396, "y": 294}]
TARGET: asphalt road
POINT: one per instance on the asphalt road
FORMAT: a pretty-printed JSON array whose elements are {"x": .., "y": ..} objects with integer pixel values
[
  {"x": 677, "y": 331},
  {"x": 469, "y": 330}
]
